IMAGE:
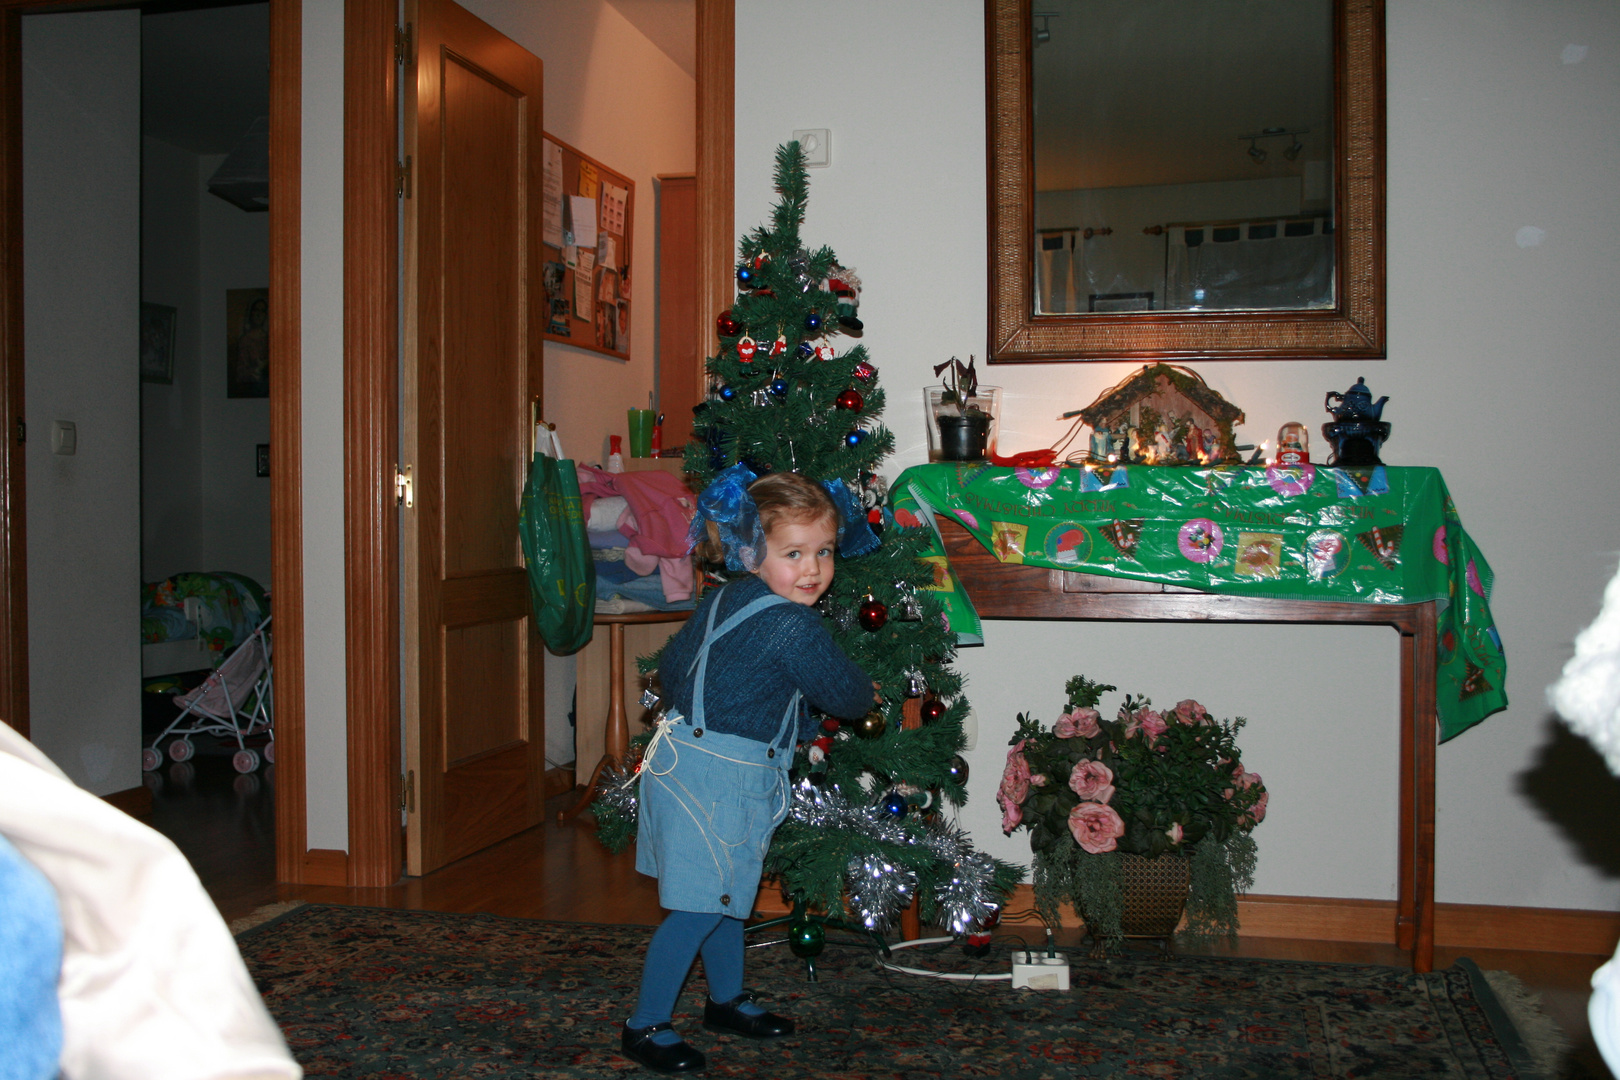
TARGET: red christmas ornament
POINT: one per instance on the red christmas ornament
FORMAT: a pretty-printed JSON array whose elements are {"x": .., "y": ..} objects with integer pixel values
[
  {"x": 873, "y": 613},
  {"x": 865, "y": 371},
  {"x": 825, "y": 352},
  {"x": 851, "y": 400},
  {"x": 780, "y": 346},
  {"x": 830, "y": 725},
  {"x": 745, "y": 350},
  {"x": 726, "y": 326},
  {"x": 824, "y": 742},
  {"x": 932, "y": 709}
]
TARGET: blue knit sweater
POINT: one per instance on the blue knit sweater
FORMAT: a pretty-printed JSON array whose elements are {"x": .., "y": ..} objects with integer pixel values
[{"x": 754, "y": 670}]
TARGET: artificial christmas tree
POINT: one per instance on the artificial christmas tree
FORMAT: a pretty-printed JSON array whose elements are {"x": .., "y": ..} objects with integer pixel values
[{"x": 867, "y": 832}]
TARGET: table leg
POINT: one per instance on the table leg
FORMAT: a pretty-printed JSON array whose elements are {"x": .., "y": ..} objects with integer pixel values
[
  {"x": 616, "y": 741},
  {"x": 1414, "y": 922}
]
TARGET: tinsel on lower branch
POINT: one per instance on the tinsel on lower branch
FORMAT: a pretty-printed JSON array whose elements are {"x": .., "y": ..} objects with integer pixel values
[{"x": 880, "y": 861}]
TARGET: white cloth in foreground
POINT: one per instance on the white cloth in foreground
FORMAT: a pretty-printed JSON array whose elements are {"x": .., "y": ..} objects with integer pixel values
[
  {"x": 1588, "y": 698},
  {"x": 152, "y": 983}
]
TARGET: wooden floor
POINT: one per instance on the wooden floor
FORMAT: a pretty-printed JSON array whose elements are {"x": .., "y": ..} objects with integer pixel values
[{"x": 224, "y": 823}]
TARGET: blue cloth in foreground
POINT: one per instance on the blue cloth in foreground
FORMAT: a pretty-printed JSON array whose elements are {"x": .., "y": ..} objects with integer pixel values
[{"x": 30, "y": 965}]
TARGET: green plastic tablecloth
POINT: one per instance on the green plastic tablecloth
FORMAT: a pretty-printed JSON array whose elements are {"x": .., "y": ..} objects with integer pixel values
[{"x": 1381, "y": 535}]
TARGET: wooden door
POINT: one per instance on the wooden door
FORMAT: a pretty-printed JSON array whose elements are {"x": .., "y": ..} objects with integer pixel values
[{"x": 474, "y": 704}]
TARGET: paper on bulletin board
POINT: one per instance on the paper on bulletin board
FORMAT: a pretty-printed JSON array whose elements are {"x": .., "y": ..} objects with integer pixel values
[
  {"x": 613, "y": 200},
  {"x": 582, "y": 220},
  {"x": 551, "y": 193},
  {"x": 607, "y": 251},
  {"x": 584, "y": 277},
  {"x": 587, "y": 179}
]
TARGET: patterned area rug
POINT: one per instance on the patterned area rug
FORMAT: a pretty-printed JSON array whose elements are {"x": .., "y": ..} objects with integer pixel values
[{"x": 364, "y": 992}]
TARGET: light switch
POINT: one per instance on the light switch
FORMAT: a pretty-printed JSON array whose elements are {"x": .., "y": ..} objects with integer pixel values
[
  {"x": 817, "y": 146},
  {"x": 64, "y": 437}
]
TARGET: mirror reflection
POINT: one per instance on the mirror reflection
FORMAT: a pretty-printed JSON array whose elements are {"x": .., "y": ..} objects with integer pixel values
[{"x": 1183, "y": 155}]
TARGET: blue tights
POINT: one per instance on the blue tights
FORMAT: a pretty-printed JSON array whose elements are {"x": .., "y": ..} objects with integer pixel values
[{"x": 677, "y": 942}]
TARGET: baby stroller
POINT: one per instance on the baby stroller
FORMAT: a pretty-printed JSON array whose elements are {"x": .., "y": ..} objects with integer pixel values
[{"x": 235, "y": 700}]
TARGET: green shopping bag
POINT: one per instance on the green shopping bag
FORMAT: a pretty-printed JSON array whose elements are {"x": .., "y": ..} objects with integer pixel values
[{"x": 562, "y": 577}]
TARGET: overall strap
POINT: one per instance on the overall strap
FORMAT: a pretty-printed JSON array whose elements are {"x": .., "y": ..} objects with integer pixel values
[
  {"x": 711, "y": 635},
  {"x": 787, "y": 734}
]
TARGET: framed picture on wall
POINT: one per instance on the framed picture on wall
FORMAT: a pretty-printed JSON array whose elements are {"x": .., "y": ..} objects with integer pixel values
[
  {"x": 247, "y": 343},
  {"x": 157, "y": 343}
]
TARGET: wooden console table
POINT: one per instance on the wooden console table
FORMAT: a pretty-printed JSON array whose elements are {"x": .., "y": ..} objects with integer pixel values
[{"x": 1014, "y": 591}]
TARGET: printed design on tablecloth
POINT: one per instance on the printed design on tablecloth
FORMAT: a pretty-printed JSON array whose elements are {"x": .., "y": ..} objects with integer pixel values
[
  {"x": 1104, "y": 478},
  {"x": 966, "y": 474},
  {"x": 1355, "y": 483},
  {"x": 1474, "y": 681},
  {"x": 1327, "y": 553},
  {"x": 1068, "y": 544},
  {"x": 1200, "y": 540},
  {"x": 1124, "y": 535},
  {"x": 965, "y": 517},
  {"x": 1036, "y": 479},
  {"x": 903, "y": 516},
  {"x": 1384, "y": 543},
  {"x": 1007, "y": 540},
  {"x": 941, "y": 566},
  {"x": 1289, "y": 481},
  {"x": 1258, "y": 555},
  {"x": 1441, "y": 552},
  {"x": 1474, "y": 582}
]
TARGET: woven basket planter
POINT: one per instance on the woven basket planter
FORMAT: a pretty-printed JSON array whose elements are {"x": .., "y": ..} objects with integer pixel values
[{"x": 1155, "y": 894}]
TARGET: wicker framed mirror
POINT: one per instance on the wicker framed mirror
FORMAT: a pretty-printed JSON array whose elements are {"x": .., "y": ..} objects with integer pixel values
[{"x": 1335, "y": 163}]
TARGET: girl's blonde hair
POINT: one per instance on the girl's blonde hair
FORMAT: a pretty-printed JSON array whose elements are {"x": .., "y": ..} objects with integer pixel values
[{"x": 778, "y": 497}]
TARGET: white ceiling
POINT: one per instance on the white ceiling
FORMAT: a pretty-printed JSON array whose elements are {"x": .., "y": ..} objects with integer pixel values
[
  {"x": 1138, "y": 92},
  {"x": 669, "y": 24},
  {"x": 205, "y": 75}
]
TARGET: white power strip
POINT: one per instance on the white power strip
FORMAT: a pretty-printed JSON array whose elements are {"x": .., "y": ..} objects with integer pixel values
[{"x": 1032, "y": 971}]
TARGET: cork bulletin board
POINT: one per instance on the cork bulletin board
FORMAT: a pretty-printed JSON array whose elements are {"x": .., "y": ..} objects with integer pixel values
[{"x": 588, "y": 214}]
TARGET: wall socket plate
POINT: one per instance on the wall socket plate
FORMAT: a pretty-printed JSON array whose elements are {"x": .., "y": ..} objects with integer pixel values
[
  {"x": 816, "y": 144},
  {"x": 1037, "y": 971},
  {"x": 64, "y": 437}
]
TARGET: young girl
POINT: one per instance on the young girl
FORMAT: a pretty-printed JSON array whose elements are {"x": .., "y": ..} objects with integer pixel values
[{"x": 714, "y": 779}]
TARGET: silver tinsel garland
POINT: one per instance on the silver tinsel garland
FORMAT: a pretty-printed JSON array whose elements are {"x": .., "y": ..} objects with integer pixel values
[{"x": 878, "y": 887}]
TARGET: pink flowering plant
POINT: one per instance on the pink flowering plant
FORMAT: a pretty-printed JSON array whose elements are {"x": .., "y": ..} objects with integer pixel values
[{"x": 1146, "y": 783}]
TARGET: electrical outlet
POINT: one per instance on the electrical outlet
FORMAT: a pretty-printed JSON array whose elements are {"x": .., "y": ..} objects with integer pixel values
[{"x": 1032, "y": 971}]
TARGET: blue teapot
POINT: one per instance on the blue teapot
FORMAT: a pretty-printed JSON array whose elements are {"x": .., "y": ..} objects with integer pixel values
[
  {"x": 1358, "y": 432},
  {"x": 1355, "y": 403}
]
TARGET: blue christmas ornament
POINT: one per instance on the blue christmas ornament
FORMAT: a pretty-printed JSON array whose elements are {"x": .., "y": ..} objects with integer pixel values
[
  {"x": 812, "y": 321},
  {"x": 805, "y": 351},
  {"x": 895, "y": 803},
  {"x": 727, "y": 392},
  {"x": 779, "y": 386},
  {"x": 745, "y": 277},
  {"x": 854, "y": 437}
]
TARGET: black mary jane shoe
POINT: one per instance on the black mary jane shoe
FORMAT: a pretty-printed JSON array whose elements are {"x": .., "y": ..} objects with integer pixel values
[
  {"x": 638, "y": 1046},
  {"x": 727, "y": 1018}
]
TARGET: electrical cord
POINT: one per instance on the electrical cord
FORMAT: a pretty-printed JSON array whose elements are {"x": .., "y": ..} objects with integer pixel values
[{"x": 958, "y": 976}]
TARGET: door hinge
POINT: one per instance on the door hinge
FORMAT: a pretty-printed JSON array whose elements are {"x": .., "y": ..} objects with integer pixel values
[
  {"x": 407, "y": 792},
  {"x": 404, "y": 488},
  {"x": 22, "y": 430},
  {"x": 402, "y": 44},
  {"x": 402, "y": 179}
]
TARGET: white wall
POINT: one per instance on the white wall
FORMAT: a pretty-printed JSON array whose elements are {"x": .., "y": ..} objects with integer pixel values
[
  {"x": 608, "y": 93},
  {"x": 171, "y": 414},
  {"x": 1501, "y": 371},
  {"x": 81, "y": 206},
  {"x": 326, "y": 749},
  {"x": 234, "y": 254},
  {"x": 202, "y": 506}
]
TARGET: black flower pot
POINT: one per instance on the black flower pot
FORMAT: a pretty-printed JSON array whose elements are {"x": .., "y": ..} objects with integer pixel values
[{"x": 962, "y": 438}]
